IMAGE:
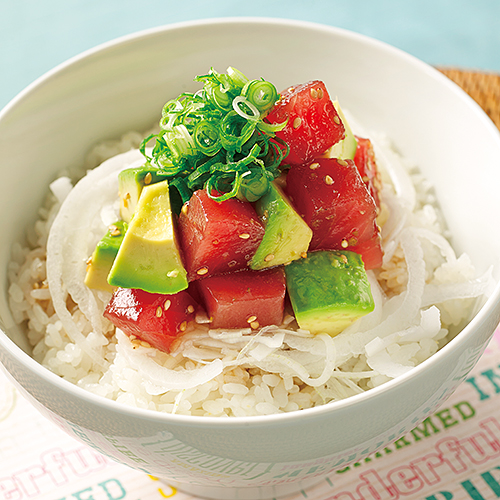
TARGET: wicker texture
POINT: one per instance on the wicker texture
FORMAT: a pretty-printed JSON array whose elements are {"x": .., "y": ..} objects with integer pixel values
[{"x": 484, "y": 88}]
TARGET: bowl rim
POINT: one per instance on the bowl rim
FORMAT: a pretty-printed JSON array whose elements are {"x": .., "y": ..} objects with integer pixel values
[{"x": 492, "y": 302}]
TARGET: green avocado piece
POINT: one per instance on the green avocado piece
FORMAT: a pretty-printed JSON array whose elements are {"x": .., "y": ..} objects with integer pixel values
[
  {"x": 99, "y": 264},
  {"x": 328, "y": 290},
  {"x": 286, "y": 235},
  {"x": 149, "y": 256},
  {"x": 346, "y": 148},
  {"x": 130, "y": 184}
]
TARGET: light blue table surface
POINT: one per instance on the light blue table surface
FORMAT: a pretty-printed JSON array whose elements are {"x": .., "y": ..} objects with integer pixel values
[{"x": 36, "y": 35}]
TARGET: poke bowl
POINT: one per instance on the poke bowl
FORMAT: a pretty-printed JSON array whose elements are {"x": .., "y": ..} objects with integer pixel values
[{"x": 264, "y": 408}]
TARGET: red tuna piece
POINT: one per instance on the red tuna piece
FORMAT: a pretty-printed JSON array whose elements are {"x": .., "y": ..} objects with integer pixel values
[
  {"x": 313, "y": 123},
  {"x": 153, "y": 317},
  {"x": 334, "y": 201},
  {"x": 367, "y": 166},
  {"x": 371, "y": 250},
  {"x": 217, "y": 237},
  {"x": 244, "y": 299}
]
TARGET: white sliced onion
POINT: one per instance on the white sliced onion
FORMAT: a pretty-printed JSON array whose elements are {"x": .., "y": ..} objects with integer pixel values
[
  {"x": 61, "y": 187},
  {"x": 384, "y": 364},
  {"x": 164, "y": 379},
  {"x": 72, "y": 239},
  {"x": 399, "y": 176},
  {"x": 437, "y": 294}
]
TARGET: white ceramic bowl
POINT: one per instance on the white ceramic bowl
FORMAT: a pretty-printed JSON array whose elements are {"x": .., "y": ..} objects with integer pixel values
[{"x": 121, "y": 86}]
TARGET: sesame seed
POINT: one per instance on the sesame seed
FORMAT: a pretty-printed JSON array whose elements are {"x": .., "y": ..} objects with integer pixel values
[
  {"x": 148, "y": 178},
  {"x": 269, "y": 257},
  {"x": 251, "y": 319},
  {"x": 297, "y": 122},
  {"x": 167, "y": 304},
  {"x": 314, "y": 93},
  {"x": 303, "y": 255},
  {"x": 185, "y": 209},
  {"x": 336, "y": 119},
  {"x": 244, "y": 236},
  {"x": 132, "y": 337},
  {"x": 115, "y": 232},
  {"x": 190, "y": 309},
  {"x": 159, "y": 312},
  {"x": 183, "y": 326},
  {"x": 344, "y": 258},
  {"x": 291, "y": 89},
  {"x": 342, "y": 162},
  {"x": 320, "y": 93},
  {"x": 202, "y": 271},
  {"x": 314, "y": 166},
  {"x": 344, "y": 244},
  {"x": 173, "y": 274},
  {"x": 145, "y": 344},
  {"x": 328, "y": 180},
  {"x": 254, "y": 324}
]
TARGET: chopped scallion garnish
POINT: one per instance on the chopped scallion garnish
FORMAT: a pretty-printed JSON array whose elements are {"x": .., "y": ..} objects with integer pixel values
[{"x": 216, "y": 139}]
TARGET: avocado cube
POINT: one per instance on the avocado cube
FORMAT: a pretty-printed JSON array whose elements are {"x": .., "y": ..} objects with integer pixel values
[
  {"x": 286, "y": 235},
  {"x": 99, "y": 264},
  {"x": 346, "y": 148},
  {"x": 328, "y": 291},
  {"x": 130, "y": 184},
  {"x": 149, "y": 257}
]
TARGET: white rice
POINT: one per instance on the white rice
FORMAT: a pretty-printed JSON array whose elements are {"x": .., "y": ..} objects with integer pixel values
[{"x": 423, "y": 293}]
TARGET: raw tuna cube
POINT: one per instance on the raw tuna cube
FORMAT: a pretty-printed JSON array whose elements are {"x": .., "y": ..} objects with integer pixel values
[
  {"x": 334, "y": 201},
  {"x": 313, "y": 123},
  {"x": 367, "y": 166},
  {"x": 371, "y": 250},
  {"x": 244, "y": 299},
  {"x": 217, "y": 238},
  {"x": 155, "y": 318}
]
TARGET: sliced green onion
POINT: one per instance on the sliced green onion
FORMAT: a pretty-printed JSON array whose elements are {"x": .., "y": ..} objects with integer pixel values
[
  {"x": 180, "y": 184},
  {"x": 261, "y": 94},
  {"x": 216, "y": 138},
  {"x": 206, "y": 137},
  {"x": 144, "y": 143},
  {"x": 197, "y": 178},
  {"x": 271, "y": 128},
  {"x": 245, "y": 108},
  {"x": 235, "y": 131},
  {"x": 179, "y": 141},
  {"x": 237, "y": 78},
  {"x": 220, "y": 97},
  {"x": 254, "y": 185},
  {"x": 214, "y": 184}
]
